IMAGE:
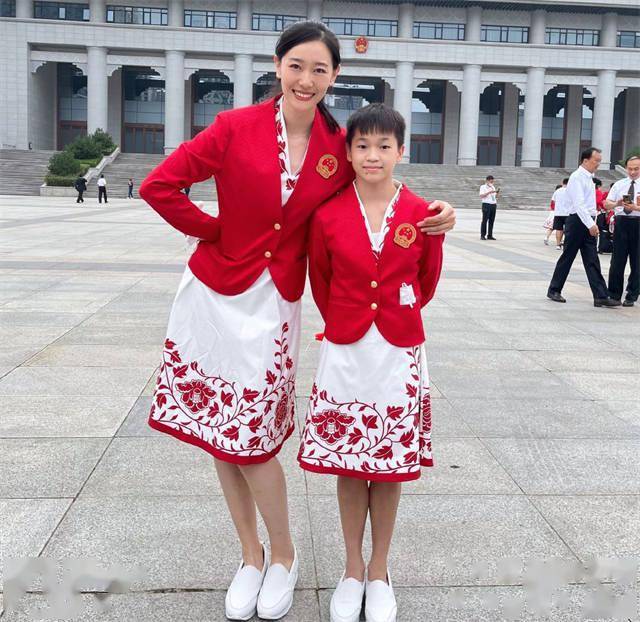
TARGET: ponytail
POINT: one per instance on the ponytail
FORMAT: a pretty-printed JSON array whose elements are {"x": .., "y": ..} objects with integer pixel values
[{"x": 329, "y": 119}]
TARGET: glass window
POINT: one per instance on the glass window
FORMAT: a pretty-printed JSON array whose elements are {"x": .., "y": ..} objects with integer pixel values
[
  {"x": 432, "y": 30},
  {"x": 137, "y": 15},
  {"x": 366, "y": 27},
  {"x": 210, "y": 19},
  {"x": 61, "y": 10},
  {"x": 628, "y": 39},
  {"x": 7, "y": 8},
  {"x": 572, "y": 36},
  {"x": 274, "y": 23},
  {"x": 505, "y": 34}
]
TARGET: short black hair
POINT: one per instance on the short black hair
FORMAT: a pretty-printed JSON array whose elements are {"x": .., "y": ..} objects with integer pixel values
[
  {"x": 565, "y": 181},
  {"x": 635, "y": 156},
  {"x": 597, "y": 182},
  {"x": 588, "y": 153},
  {"x": 558, "y": 186},
  {"x": 488, "y": 177},
  {"x": 376, "y": 118}
]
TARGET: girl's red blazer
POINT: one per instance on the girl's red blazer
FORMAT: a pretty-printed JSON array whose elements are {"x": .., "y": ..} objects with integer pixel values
[
  {"x": 352, "y": 289},
  {"x": 252, "y": 231}
]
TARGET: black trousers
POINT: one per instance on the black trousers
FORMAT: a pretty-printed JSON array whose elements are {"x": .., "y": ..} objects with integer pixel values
[
  {"x": 626, "y": 245},
  {"x": 102, "y": 192},
  {"x": 488, "y": 218},
  {"x": 130, "y": 193},
  {"x": 80, "y": 199},
  {"x": 577, "y": 238}
]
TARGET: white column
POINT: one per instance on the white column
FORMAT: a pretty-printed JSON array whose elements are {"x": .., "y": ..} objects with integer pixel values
[
  {"x": 631, "y": 131},
  {"x": 574, "y": 126},
  {"x": 451, "y": 124},
  {"x": 603, "y": 114},
  {"x": 609, "y": 32},
  {"x": 405, "y": 20},
  {"x": 314, "y": 10},
  {"x": 509, "y": 124},
  {"x": 173, "y": 100},
  {"x": 97, "y": 89},
  {"x": 474, "y": 23},
  {"x": 538, "y": 27},
  {"x": 403, "y": 96},
  {"x": 24, "y": 9},
  {"x": 243, "y": 20},
  {"x": 176, "y": 13},
  {"x": 469, "y": 107},
  {"x": 243, "y": 80},
  {"x": 533, "y": 102},
  {"x": 97, "y": 11}
]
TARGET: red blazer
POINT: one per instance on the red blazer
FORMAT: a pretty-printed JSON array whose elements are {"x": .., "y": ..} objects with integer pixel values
[
  {"x": 252, "y": 230},
  {"x": 352, "y": 289}
]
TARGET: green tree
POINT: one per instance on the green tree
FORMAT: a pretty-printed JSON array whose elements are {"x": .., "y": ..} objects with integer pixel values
[{"x": 63, "y": 164}]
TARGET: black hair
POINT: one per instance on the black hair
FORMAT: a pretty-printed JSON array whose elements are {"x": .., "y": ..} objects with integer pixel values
[
  {"x": 376, "y": 118},
  {"x": 488, "y": 177},
  {"x": 558, "y": 186},
  {"x": 597, "y": 182},
  {"x": 634, "y": 156},
  {"x": 565, "y": 181},
  {"x": 304, "y": 32},
  {"x": 588, "y": 153}
]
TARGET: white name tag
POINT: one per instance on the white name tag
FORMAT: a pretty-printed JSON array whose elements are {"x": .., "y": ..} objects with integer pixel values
[{"x": 407, "y": 297}]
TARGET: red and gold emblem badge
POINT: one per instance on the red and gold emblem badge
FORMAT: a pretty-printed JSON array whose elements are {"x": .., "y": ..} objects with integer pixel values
[
  {"x": 405, "y": 235},
  {"x": 327, "y": 165},
  {"x": 362, "y": 45}
]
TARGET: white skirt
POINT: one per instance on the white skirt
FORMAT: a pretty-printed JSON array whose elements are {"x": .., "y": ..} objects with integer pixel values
[
  {"x": 226, "y": 382},
  {"x": 369, "y": 414}
]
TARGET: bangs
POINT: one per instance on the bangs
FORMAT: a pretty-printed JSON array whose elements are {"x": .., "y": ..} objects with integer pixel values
[{"x": 376, "y": 119}]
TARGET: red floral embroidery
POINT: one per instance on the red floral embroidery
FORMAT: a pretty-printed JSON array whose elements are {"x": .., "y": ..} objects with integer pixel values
[
  {"x": 332, "y": 425},
  {"x": 240, "y": 420},
  {"x": 288, "y": 179}
]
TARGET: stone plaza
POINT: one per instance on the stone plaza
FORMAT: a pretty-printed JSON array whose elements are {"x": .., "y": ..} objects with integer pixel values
[{"x": 536, "y": 417}]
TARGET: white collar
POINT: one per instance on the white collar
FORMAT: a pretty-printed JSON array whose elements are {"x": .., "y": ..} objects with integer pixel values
[{"x": 585, "y": 171}]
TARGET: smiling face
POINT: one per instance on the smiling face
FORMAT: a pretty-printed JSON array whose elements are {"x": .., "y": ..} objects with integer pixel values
[
  {"x": 374, "y": 156},
  {"x": 305, "y": 73}
]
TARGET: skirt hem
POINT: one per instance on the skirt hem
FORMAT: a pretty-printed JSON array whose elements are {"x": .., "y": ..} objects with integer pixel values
[
  {"x": 217, "y": 453},
  {"x": 373, "y": 477}
]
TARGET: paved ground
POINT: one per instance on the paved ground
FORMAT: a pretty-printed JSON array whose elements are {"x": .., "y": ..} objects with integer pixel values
[{"x": 537, "y": 427}]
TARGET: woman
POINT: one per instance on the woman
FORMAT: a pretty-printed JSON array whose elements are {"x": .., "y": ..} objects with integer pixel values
[{"x": 227, "y": 380}]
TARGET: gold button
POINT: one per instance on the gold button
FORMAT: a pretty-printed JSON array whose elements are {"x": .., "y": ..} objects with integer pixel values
[
  {"x": 374, "y": 284},
  {"x": 374, "y": 306},
  {"x": 267, "y": 254},
  {"x": 277, "y": 226}
]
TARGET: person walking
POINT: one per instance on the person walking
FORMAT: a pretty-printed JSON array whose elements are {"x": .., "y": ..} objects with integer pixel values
[
  {"x": 624, "y": 198},
  {"x": 130, "y": 188},
  {"x": 489, "y": 195},
  {"x": 102, "y": 189},
  {"x": 560, "y": 212},
  {"x": 81, "y": 187},
  {"x": 581, "y": 233},
  {"x": 548, "y": 222},
  {"x": 227, "y": 376}
]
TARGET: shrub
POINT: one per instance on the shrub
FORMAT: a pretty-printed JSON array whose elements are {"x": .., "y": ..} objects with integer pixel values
[
  {"x": 59, "y": 180},
  {"x": 63, "y": 163},
  {"x": 103, "y": 141},
  {"x": 84, "y": 148}
]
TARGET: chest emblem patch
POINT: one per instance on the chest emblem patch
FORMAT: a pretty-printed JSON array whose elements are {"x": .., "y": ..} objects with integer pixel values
[{"x": 405, "y": 235}]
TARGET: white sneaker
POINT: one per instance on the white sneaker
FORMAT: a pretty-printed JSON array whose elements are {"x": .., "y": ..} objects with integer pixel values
[
  {"x": 346, "y": 602},
  {"x": 276, "y": 595},
  {"x": 242, "y": 595},
  {"x": 380, "y": 603},
  {"x": 558, "y": 248}
]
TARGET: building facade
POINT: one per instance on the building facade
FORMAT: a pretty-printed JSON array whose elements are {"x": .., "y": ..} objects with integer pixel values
[{"x": 524, "y": 82}]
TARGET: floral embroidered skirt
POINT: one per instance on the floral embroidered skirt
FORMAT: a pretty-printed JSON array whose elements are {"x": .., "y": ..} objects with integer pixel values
[
  {"x": 369, "y": 414},
  {"x": 226, "y": 382}
]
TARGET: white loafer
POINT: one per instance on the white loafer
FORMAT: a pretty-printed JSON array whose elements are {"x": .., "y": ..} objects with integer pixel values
[
  {"x": 242, "y": 595},
  {"x": 346, "y": 602},
  {"x": 380, "y": 601},
  {"x": 276, "y": 595}
]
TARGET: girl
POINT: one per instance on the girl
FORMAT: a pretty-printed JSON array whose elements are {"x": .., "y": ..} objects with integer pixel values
[
  {"x": 548, "y": 223},
  {"x": 226, "y": 383},
  {"x": 369, "y": 417}
]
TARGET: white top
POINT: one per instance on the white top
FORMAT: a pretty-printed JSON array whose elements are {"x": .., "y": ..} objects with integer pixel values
[
  {"x": 581, "y": 196},
  {"x": 102, "y": 181},
  {"x": 560, "y": 199},
  {"x": 377, "y": 237},
  {"x": 619, "y": 189},
  {"x": 490, "y": 198}
]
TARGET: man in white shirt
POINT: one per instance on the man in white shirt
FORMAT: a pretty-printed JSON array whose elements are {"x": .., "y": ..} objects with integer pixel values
[
  {"x": 489, "y": 195},
  {"x": 624, "y": 197},
  {"x": 581, "y": 233},
  {"x": 102, "y": 189},
  {"x": 560, "y": 212}
]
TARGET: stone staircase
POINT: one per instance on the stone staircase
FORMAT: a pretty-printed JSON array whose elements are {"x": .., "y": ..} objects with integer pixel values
[
  {"x": 22, "y": 172},
  {"x": 521, "y": 188}
]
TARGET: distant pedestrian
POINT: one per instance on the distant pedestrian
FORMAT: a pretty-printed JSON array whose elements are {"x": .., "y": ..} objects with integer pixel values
[
  {"x": 81, "y": 186},
  {"x": 581, "y": 233},
  {"x": 130, "y": 188},
  {"x": 561, "y": 212},
  {"x": 548, "y": 223},
  {"x": 489, "y": 195},
  {"x": 102, "y": 189}
]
